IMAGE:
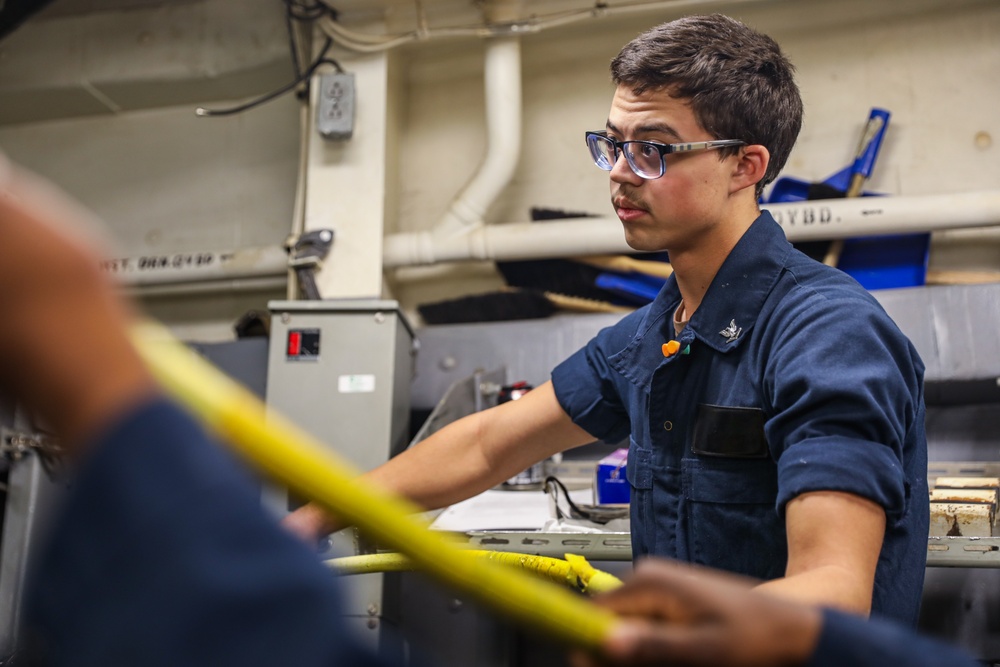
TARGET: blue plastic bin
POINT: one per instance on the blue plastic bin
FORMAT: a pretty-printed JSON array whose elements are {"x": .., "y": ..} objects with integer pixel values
[{"x": 883, "y": 262}]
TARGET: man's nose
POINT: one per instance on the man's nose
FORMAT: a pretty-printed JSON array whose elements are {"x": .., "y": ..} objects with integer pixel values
[{"x": 621, "y": 172}]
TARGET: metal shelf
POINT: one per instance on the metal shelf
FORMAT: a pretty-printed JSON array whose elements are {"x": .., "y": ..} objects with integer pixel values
[
  {"x": 941, "y": 551},
  {"x": 593, "y": 546},
  {"x": 937, "y": 469},
  {"x": 963, "y": 552}
]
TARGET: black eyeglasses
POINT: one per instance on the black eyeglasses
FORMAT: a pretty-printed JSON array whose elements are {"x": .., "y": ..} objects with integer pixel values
[{"x": 645, "y": 158}]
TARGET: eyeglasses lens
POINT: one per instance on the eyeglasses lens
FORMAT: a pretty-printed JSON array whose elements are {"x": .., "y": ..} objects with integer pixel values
[
  {"x": 644, "y": 159},
  {"x": 602, "y": 150}
]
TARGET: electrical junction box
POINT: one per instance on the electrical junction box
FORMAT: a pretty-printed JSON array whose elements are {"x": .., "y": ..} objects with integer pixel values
[
  {"x": 335, "y": 106},
  {"x": 341, "y": 370}
]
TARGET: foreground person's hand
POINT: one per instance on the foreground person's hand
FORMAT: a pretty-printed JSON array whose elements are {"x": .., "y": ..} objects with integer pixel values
[{"x": 685, "y": 616}]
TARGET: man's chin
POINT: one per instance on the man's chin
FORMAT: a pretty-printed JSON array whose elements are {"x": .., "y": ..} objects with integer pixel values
[{"x": 642, "y": 242}]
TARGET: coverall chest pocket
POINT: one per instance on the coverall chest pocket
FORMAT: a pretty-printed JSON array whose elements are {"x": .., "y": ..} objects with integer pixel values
[
  {"x": 726, "y": 431},
  {"x": 731, "y": 522}
]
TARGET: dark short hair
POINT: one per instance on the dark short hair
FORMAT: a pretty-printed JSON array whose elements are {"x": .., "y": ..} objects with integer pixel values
[{"x": 738, "y": 82}]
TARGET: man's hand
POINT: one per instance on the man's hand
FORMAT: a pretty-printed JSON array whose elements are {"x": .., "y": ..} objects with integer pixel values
[
  {"x": 686, "y": 616},
  {"x": 310, "y": 523}
]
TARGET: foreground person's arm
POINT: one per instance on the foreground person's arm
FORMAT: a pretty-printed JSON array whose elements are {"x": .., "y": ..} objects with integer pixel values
[
  {"x": 465, "y": 458},
  {"x": 681, "y": 615},
  {"x": 160, "y": 553}
]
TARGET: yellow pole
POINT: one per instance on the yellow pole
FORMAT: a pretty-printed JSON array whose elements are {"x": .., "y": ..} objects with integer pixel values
[
  {"x": 294, "y": 458},
  {"x": 574, "y": 572}
]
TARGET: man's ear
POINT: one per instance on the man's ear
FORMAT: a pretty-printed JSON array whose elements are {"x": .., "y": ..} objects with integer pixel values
[{"x": 751, "y": 165}]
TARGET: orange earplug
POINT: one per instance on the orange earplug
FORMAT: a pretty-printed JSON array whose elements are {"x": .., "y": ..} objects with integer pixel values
[{"x": 670, "y": 348}]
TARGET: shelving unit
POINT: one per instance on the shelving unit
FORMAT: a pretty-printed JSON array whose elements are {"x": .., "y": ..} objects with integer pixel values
[{"x": 941, "y": 551}]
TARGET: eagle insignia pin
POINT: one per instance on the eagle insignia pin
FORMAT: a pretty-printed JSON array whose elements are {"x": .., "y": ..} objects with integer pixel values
[{"x": 732, "y": 332}]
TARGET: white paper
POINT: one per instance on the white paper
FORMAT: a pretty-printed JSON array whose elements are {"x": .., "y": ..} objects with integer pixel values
[{"x": 503, "y": 510}]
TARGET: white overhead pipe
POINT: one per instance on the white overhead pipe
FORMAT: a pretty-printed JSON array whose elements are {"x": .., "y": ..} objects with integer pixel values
[
  {"x": 502, "y": 80},
  {"x": 802, "y": 221},
  {"x": 513, "y": 21},
  {"x": 198, "y": 266},
  {"x": 502, "y": 75},
  {"x": 874, "y": 216},
  {"x": 262, "y": 284},
  {"x": 515, "y": 240}
]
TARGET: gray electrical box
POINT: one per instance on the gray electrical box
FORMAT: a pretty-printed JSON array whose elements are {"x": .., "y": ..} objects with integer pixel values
[
  {"x": 335, "y": 106},
  {"x": 341, "y": 370}
]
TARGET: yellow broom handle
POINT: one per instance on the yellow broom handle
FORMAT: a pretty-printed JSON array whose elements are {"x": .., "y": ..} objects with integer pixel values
[{"x": 291, "y": 456}]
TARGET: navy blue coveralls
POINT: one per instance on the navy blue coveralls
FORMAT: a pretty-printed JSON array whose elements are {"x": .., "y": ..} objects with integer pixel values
[{"x": 790, "y": 378}]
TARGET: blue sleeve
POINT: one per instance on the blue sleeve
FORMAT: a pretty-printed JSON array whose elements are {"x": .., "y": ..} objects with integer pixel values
[
  {"x": 586, "y": 386},
  {"x": 846, "y": 392},
  {"x": 851, "y": 640},
  {"x": 162, "y": 555}
]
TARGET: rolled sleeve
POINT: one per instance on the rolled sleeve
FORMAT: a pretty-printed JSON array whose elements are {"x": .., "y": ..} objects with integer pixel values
[
  {"x": 846, "y": 403},
  {"x": 865, "y": 469},
  {"x": 584, "y": 387}
]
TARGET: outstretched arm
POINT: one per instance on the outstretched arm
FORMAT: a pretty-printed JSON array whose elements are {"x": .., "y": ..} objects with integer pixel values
[
  {"x": 834, "y": 540},
  {"x": 466, "y": 457}
]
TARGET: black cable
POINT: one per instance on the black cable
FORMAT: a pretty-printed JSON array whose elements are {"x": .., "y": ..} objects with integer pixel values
[
  {"x": 306, "y": 12},
  {"x": 331, "y": 61},
  {"x": 293, "y": 44},
  {"x": 322, "y": 59}
]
